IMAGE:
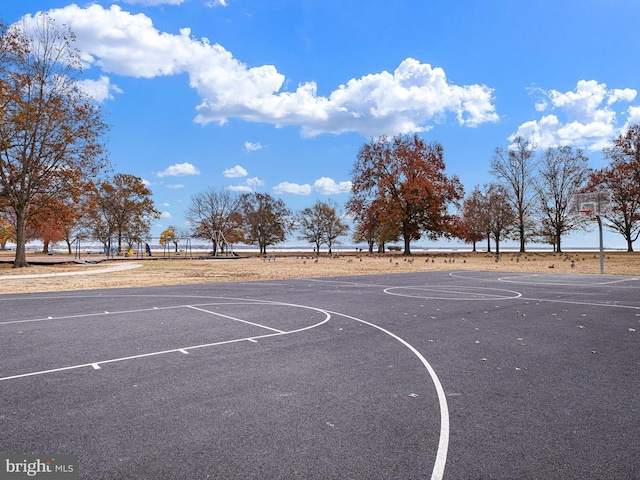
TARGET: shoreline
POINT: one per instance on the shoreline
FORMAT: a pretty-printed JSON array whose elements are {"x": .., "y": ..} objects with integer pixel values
[{"x": 156, "y": 271}]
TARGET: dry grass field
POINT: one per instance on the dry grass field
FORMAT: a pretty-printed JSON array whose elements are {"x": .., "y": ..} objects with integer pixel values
[{"x": 158, "y": 271}]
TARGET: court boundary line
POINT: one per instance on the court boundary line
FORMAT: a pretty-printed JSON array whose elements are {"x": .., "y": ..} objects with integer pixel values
[
  {"x": 443, "y": 438},
  {"x": 178, "y": 349}
]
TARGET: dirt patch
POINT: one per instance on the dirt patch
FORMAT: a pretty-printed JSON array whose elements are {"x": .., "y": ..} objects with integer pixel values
[{"x": 285, "y": 266}]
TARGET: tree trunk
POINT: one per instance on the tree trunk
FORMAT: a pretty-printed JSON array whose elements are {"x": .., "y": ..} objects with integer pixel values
[
  {"x": 522, "y": 242},
  {"x": 407, "y": 247},
  {"x": 558, "y": 247},
  {"x": 21, "y": 240},
  {"x": 629, "y": 245},
  {"x": 45, "y": 247},
  {"x": 497, "y": 239},
  {"x": 488, "y": 243}
]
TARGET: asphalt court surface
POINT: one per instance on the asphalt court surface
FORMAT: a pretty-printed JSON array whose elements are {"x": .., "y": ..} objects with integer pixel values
[{"x": 456, "y": 375}]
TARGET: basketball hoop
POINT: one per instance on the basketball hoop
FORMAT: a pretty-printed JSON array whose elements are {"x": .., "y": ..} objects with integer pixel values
[
  {"x": 594, "y": 205},
  {"x": 588, "y": 207}
]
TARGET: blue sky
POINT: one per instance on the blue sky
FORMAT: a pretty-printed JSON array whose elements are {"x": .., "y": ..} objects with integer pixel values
[{"x": 278, "y": 96}]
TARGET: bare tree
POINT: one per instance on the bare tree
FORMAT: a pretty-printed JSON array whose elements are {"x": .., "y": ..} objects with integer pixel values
[
  {"x": 321, "y": 224},
  {"x": 563, "y": 172},
  {"x": 500, "y": 213},
  {"x": 622, "y": 180},
  {"x": 515, "y": 167},
  {"x": 215, "y": 211},
  {"x": 49, "y": 129}
]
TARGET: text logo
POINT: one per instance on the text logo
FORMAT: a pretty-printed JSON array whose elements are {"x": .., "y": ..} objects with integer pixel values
[{"x": 45, "y": 467}]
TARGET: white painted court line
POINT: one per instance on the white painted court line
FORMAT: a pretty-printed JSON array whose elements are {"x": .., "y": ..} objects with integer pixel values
[
  {"x": 95, "y": 314},
  {"x": 468, "y": 292},
  {"x": 97, "y": 365},
  {"x": 574, "y": 302},
  {"x": 549, "y": 279},
  {"x": 443, "y": 441},
  {"x": 116, "y": 312},
  {"x": 234, "y": 319}
]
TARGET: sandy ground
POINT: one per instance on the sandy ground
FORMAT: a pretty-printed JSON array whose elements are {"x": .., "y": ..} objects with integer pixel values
[{"x": 175, "y": 271}]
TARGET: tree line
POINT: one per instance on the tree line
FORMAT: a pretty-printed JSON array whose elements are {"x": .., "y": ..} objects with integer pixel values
[{"x": 56, "y": 183}]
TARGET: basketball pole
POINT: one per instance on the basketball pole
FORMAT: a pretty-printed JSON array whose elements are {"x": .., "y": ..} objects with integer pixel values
[{"x": 601, "y": 245}]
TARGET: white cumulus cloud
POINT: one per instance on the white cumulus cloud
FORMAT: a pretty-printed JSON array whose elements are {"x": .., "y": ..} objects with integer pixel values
[
  {"x": 154, "y": 3},
  {"x": 292, "y": 188},
  {"x": 323, "y": 185},
  {"x": 179, "y": 170},
  {"x": 235, "y": 172},
  {"x": 410, "y": 99},
  {"x": 250, "y": 185},
  {"x": 239, "y": 188},
  {"x": 583, "y": 117},
  {"x": 255, "y": 182},
  {"x": 328, "y": 186},
  {"x": 100, "y": 90}
]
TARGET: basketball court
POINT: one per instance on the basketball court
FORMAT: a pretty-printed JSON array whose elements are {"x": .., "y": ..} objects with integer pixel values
[{"x": 426, "y": 375}]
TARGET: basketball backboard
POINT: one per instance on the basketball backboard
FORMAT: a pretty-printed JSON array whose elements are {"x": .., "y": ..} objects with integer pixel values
[{"x": 592, "y": 203}]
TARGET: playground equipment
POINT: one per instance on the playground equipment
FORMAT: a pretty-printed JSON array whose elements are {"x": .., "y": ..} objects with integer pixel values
[{"x": 220, "y": 245}]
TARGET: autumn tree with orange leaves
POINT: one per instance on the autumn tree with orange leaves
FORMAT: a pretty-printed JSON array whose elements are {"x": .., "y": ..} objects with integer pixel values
[
  {"x": 123, "y": 209},
  {"x": 49, "y": 222},
  {"x": 50, "y": 129},
  {"x": 404, "y": 180},
  {"x": 6, "y": 231},
  {"x": 369, "y": 229},
  {"x": 475, "y": 224}
]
